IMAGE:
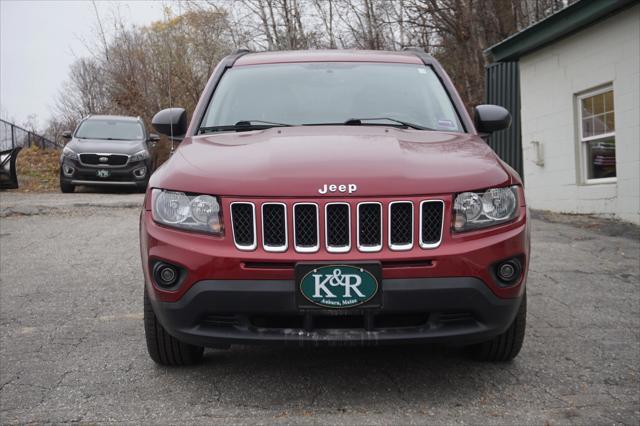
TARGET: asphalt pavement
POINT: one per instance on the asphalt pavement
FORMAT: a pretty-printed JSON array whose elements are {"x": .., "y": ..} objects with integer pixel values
[{"x": 72, "y": 345}]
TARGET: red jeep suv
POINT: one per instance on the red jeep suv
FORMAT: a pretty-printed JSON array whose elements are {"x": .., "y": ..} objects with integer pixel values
[{"x": 333, "y": 197}]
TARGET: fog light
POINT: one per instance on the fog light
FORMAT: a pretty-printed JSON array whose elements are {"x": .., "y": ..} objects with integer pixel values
[
  {"x": 168, "y": 275},
  {"x": 140, "y": 173},
  {"x": 165, "y": 275},
  {"x": 68, "y": 170},
  {"x": 508, "y": 271}
]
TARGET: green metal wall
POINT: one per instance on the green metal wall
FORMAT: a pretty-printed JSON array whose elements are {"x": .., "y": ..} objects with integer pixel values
[{"x": 502, "y": 87}]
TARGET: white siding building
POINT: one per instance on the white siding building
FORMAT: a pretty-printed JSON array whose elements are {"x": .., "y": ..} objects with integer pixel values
[{"x": 580, "y": 112}]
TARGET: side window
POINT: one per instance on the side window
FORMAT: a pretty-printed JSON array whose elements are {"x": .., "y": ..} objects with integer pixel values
[{"x": 597, "y": 136}]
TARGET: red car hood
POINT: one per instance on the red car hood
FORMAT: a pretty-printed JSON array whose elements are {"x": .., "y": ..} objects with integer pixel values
[{"x": 298, "y": 161}]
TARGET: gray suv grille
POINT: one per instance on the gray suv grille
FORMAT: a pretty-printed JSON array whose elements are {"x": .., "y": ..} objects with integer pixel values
[{"x": 98, "y": 159}]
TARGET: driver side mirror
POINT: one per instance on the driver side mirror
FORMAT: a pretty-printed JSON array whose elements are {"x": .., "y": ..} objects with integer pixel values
[
  {"x": 491, "y": 118},
  {"x": 67, "y": 135},
  {"x": 171, "y": 122}
]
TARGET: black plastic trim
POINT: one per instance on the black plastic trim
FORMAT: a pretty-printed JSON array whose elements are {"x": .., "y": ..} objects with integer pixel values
[
  {"x": 437, "y": 297},
  {"x": 227, "y": 62},
  {"x": 460, "y": 108}
]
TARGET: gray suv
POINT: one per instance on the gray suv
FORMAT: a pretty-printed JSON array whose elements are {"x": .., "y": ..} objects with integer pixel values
[{"x": 107, "y": 150}]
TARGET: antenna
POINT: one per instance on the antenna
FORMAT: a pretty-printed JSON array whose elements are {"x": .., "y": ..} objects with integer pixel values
[
  {"x": 170, "y": 97},
  {"x": 171, "y": 106}
]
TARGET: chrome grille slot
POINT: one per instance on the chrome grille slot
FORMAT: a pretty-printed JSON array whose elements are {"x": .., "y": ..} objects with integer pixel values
[
  {"x": 400, "y": 225},
  {"x": 369, "y": 227},
  {"x": 305, "y": 227},
  {"x": 431, "y": 223},
  {"x": 244, "y": 225},
  {"x": 338, "y": 227},
  {"x": 274, "y": 227}
]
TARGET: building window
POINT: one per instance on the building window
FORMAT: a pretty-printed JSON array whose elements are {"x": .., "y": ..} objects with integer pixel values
[{"x": 598, "y": 136}]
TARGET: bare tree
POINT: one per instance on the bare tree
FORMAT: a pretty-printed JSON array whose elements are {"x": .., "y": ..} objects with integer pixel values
[{"x": 139, "y": 70}]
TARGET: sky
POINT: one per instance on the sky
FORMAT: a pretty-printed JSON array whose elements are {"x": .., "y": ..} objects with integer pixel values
[{"x": 39, "y": 40}]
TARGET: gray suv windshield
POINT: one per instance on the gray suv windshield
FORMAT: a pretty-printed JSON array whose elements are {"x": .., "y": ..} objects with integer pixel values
[
  {"x": 110, "y": 130},
  {"x": 332, "y": 93}
]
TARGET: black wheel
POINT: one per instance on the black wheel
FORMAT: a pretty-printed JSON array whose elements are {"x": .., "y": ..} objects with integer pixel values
[
  {"x": 66, "y": 187},
  {"x": 163, "y": 348},
  {"x": 507, "y": 345}
]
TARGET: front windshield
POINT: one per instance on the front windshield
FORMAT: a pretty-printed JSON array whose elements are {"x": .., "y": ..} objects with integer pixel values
[
  {"x": 332, "y": 93},
  {"x": 110, "y": 130}
]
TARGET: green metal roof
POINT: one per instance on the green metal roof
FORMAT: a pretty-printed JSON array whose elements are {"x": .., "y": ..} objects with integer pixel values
[{"x": 561, "y": 24}]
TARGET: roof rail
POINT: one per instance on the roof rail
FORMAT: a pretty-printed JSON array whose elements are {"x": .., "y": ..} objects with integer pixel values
[
  {"x": 414, "y": 49},
  {"x": 240, "y": 51}
]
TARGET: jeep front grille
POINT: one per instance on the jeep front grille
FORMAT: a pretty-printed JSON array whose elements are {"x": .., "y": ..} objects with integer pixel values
[
  {"x": 306, "y": 227},
  {"x": 401, "y": 225},
  {"x": 244, "y": 225},
  {"x": 431, "y": 223},
  {"x": 338, "y": 227},
  {"x": 369, "y": 227},
  {"x": 274, "y": 226},
  {"x": 374, "y": 225}
]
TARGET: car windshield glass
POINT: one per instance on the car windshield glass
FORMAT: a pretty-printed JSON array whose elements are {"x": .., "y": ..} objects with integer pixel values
[
  {"x": 332, "y": 93},
  {"x": 110, "y": 130}
]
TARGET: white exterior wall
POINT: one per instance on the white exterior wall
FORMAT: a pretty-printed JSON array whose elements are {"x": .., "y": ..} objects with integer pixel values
[{"x": 606, "y": 53}]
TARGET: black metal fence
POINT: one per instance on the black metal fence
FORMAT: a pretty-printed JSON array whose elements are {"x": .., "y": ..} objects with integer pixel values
[
  {"x": 12, "y": 136},
  {"x": 502, "y": 87}
]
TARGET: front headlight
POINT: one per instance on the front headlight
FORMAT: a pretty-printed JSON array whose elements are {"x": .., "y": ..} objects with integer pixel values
[
  {"x": 69, "y": 153},
  {"x": 479, "y": 210},
  {"x": 200, "y": 213},
  {"x": 139, "y": 156}
]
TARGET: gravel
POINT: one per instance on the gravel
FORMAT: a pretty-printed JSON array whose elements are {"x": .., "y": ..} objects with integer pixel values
[{"x": 72, "y": 344}]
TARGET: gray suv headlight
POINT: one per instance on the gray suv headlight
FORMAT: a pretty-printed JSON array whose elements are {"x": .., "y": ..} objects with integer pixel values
[
  {"x": 199, "y": 213},
  {"x": 69, "y": 153},
  {"x": 473, "y": 210},
  {"x": 139, "y": 156}
]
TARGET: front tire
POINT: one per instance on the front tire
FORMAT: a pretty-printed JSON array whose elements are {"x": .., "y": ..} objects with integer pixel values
[
  {"x": 507, "y": 345},
  {"x": 163, "y": 348}
]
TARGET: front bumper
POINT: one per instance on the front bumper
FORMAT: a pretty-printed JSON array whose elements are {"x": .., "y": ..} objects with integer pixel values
[
  {"x": 118, "y": 176},
  {"x": 458, "y": 310},
  {"x": 447, "y": 294}
]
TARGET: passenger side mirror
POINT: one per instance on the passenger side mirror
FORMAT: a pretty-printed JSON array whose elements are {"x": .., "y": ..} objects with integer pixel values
[
  {"x": 171, "y": 122},
  {"x": 490, "y": 118},
  {"x": 67, "y": 135}
]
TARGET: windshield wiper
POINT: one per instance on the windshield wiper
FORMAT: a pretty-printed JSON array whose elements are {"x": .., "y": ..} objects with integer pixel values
[
  {"x": 243, "y": 125},
  {"x": 360, "y": 121},
  {"x": 105, "y": 139}
]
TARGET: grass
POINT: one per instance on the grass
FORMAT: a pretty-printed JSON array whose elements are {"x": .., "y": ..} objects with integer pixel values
[{"x": 38, "y": 169}]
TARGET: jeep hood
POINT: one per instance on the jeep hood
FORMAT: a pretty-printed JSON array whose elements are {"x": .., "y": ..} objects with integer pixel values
[
  {"x": 298, "y": 161},
  {"x": 81, "y": 146}
]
